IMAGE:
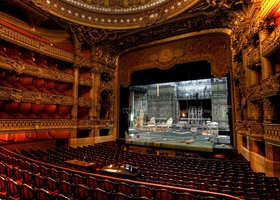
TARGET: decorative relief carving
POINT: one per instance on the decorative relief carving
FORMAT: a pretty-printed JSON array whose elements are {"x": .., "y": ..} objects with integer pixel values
[
  {"x": 74, "y": 110},
  {"x": 31, "y": 125},
  {"x": 256, "y": 130},
  {"x": 85, "y": 102},
  {"x": 269, "y": 109},
  {"x": 272, "y": 132},
  {"x": 85, "y": 124},
  {"x": 256, "y": 110},
  {"x": 34, "y": 97},
  {"x": 85, "y": 81},
  {"x": 271, "y": 86},
  {"x": 241, "y": 127},
  {"x": 253, "y": 92},
  {"x": 106, "y": 14},
  {"x": 25, "y": 68},
  {"x": 272, "y": 43},
  {"x": 34, "y": 45},
  {"x": 238, "y": 71},
  {"x": 254, "y": 59},
  {"x": 213, "y": 48}
]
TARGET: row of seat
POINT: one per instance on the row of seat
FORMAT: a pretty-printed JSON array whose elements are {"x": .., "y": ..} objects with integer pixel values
[
  {"x": 55, "y": 183},
  {"x": 231, "y": 177}
]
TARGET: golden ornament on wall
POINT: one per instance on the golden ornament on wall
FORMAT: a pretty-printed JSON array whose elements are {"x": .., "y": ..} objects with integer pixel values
[{"x": 165, "y": 55}]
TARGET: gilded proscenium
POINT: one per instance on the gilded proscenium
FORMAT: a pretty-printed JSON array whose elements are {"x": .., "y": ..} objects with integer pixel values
[
  {"x": 14, "y": 125},
  {"x": 114, "y": 18},
  {"x": 34, "y": 97},
  {"x": 213, "y": 48},
  {"x": 271, "y": 86},
  {"x": 255, "y": 130},
  {"x": 272, "y": 132},
  {"x": 254, "y": 92},
  {"x": 271, "y": 44},
  {"x": 34, "y": 45},
  {"x": 254, "y": 59}
]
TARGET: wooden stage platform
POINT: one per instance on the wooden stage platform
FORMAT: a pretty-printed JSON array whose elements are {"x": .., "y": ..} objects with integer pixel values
[{"x": 179, "y": 144}]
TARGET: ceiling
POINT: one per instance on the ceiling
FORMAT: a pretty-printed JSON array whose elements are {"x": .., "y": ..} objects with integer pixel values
[{"x": 121, "y": 24}]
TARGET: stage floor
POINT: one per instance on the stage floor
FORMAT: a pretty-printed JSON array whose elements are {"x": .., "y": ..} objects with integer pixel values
[{"x": 196, "y": 142}]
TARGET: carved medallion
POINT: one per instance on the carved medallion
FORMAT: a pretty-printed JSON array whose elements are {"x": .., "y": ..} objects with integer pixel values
[{"x": 165, "y": 55}]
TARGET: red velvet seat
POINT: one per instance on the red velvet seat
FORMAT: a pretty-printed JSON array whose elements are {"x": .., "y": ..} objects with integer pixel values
[
  {"x": 27, "y": 192},
  {"x": 39, "y": 61},
  {"x": 39, "y": 83},
  {"x": 27, "y": 82},
  {"x": 38, "y": 110},
  {"x": 64, "y": 88},
  {"x": 43, "y": 194},
  {"x": 77, "y": 179},
  {"x": 14, "y": 189},
  {"x": 25, "y": 109},
  {"x": 124, "y": 188},
  {"x": 3, "y": 80},
  {"x": 107, "y": 185},
  {"x": 66, "y": 188},
  {"x": 27, "y": 177},
  {"x": 83, "y": 192},
  {"x": 64, "y": 111},
  {"x": 91, "y": 181},
  {"x": 98, "y": 193},
  {"x": 50, "y": 85},
  {"x": 51, "y": 185},
  {"x": 14, "y": 80},
  {"x": 50, "y": 111},
  {"x": 11, "y": 108},
  {"x": 3, "y": 187}
]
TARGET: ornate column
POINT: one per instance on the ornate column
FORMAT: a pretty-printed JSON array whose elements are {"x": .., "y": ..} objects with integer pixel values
[
  {"x": 264, "y": 31},
  {"x": 74, "y": 111},
  {"x": 269, "y": 110},
  {"x": 93, "y": 92}
]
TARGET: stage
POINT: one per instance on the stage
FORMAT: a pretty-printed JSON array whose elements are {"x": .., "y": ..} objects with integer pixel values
[{"x": 201, "y": 144}]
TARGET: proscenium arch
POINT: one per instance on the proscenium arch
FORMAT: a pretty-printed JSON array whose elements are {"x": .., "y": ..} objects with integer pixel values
[{"x": 213, "y": 46}]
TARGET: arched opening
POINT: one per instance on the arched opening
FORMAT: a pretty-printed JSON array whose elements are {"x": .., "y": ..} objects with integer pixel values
[{"x": 165, "y": 94}]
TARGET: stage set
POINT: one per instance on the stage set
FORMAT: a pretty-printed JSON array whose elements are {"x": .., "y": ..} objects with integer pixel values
[{"x": 180, "y": 143}]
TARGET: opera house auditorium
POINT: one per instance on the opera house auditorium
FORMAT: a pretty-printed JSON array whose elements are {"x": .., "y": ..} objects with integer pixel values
[{"x": 139, "y": 99}]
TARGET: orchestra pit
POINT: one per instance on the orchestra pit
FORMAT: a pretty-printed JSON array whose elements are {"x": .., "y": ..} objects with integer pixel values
[{"x": 139, "y": 100}]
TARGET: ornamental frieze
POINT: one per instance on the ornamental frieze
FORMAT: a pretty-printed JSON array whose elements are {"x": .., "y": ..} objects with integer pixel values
[
  {"x": 271, "y": 86},
  {"x": 34, "y": 97},
  {"x": 34, "y": 45},
  {"x": 34, "y": 125},
  {"x": 253, "y": 92},
  {"x": 272, "y": 133},
  {"x": 272, "y": 43},
  {"x": 85, "y": 102},
  {"x": 85, "y": 81},
  {"x": 256, "y": 130},
  {"x": 241, "y": 127},
  {"x": 254, "y": 59},
  {"x": 269, "y": 108},
  {"x": 255, "y": 110},
  {"x": 213, "y": 48},
  {"x": 25, "y": 68},
  {"x": 85, "y": 124}
]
